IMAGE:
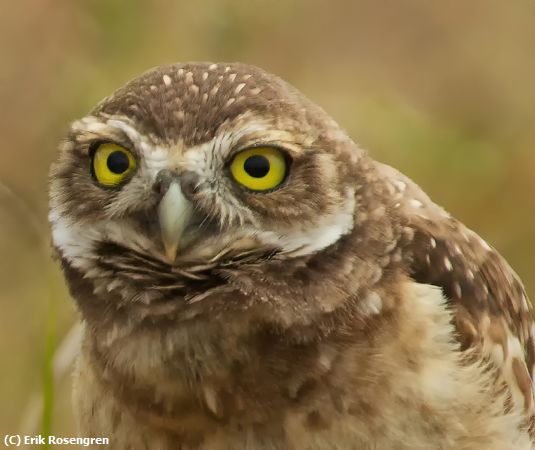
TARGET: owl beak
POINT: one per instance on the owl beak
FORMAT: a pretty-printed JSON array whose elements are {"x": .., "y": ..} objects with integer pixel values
[{"x": 174, "y": 213}]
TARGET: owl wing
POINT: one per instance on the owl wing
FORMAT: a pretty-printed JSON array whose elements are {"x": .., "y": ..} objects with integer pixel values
[{"x": 491, "y": 310}]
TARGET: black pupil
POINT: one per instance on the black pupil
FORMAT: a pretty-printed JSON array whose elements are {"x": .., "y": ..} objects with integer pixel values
[
  {"x": 256, "y": 166},
  {"x": 118, "y": 162}
]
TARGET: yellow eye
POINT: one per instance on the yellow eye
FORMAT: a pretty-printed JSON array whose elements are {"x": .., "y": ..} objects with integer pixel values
[
  {"x": 259, "y": 168},
  {"x": 112, "y": 164}
]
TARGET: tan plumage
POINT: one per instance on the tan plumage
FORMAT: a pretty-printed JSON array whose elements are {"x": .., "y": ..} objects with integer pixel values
[{"x": 341, "y": 309}]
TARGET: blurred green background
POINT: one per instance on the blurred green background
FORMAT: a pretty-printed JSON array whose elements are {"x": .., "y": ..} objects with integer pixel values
[{"x": 443, "y": 90}]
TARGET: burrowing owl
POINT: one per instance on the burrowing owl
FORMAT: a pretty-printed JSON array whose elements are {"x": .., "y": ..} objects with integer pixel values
[{"x": 249, "y": 278}]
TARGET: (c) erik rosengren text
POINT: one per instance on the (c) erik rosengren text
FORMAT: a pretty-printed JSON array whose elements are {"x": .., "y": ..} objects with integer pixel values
[{"x": 16, "y": 440}]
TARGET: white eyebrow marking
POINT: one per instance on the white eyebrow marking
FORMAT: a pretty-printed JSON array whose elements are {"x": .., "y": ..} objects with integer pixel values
[
  {"x": 90, "y": 124},
  {"x": 126, "y": 128},
  {"x": 132, "y": 134}
]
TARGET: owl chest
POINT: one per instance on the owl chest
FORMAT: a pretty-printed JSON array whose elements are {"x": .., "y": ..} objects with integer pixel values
[
  {"x": 222, "y": 386},
  {"x": 215, "y": 385},
  {"x": 214, "y": 371},
  {"x": 223, "y": 396}
]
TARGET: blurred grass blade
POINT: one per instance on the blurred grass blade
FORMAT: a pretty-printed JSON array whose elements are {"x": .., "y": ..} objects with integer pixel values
[
  {"x": 48, "y": 373},
  {"x": 62, "y": 360}
]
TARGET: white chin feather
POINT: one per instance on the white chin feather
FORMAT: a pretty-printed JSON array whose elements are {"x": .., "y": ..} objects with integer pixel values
[
  {"x": 76, "y": 242},
  {"x": 301, "y": 242}
]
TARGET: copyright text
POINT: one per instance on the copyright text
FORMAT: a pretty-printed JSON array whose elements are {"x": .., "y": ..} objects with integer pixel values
[{"x": 16, "y": 440}]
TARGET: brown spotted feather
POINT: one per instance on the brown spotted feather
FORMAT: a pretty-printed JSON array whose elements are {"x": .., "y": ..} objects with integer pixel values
[{"x": 491, "y": 310}]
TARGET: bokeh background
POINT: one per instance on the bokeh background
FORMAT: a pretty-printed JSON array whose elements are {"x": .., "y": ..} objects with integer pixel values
[{"x": 443, "y": 90}]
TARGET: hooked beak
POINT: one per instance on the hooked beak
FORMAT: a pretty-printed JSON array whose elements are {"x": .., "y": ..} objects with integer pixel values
[{"x": 174, "y": 213}]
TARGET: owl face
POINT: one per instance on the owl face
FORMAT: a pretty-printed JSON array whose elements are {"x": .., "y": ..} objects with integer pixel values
[
  {"x": 197, "y": 164},
  {"x": 203, "y": 189}
]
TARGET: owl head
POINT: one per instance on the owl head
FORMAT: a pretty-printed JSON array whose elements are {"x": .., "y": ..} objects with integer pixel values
[{"x": 193, "y": 171}]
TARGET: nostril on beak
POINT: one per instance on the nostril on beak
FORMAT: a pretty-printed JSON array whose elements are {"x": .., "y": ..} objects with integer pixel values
[
  {"x": 188, "y": 182},
  {"x": 163, "y": 180}
]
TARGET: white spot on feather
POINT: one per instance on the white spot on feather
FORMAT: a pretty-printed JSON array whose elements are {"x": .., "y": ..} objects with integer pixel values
[
  {"x": 210, "y": 399},
  {"x": 326, "y": 357},
  {"x": 457, "y": 289},
  {"x": 400, "y": 185},
  {"x": 378, "y": 212},
  {"x": 372, "y": 304},
  {"x": 167, "y": 80},
  {"x": 214, "y": 90}
]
